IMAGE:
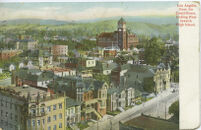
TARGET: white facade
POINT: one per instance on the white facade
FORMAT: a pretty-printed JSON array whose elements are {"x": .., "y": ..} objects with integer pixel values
[
  {"x": 65, "y": 73},
  {"x": 40, "y": 60},
  {"x": 32, "y": 45},
  {"x": 21, "y": 65},
  {"x": 90, "y": 63},
  {"x": 43, "y": 84},
  {"x": 11, "y": 67},
  {"x": 107, "y": 72},
  {"x": 123, "y": 72}
]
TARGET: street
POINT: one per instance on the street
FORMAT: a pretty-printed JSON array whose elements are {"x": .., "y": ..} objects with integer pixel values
[{"x": 157, "y": 107}]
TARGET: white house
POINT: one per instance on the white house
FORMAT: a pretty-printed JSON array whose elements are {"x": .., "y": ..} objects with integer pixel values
[
  {"x": 21, "y": 65},
  {"x": 11, "y": 67},
  {"x": 90, "y": 63}
]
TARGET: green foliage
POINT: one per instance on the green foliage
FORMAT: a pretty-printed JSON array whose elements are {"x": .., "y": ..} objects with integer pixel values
[
  {"x": 174, "y": 109},
  {"x": 102, "y": 77},
  {"x": 154, "y": 50},
  {"x": 14, "y": 60},
  {"x": 121, "y": 60},
  {"x": 86, "y": 45},
  {"x": 148, "y": 85},
  {"x": 83, "y": 125},
  {"x": 4, "y": 75},
  {"x": 175, "y": 76}
]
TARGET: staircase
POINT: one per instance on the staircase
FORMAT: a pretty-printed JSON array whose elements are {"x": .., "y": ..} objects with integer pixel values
[{"x": 90, "y": 110}]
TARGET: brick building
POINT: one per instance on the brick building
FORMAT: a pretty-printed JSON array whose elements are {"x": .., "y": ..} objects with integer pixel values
[
  {"x": 92, "y": 94},
  {"x": 60, "y": 50},
  {"x": 6, "y": 54},
  {"x": 121, "y": 37}
]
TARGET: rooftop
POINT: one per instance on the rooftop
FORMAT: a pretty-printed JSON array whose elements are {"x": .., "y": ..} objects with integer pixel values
[
  {"x": 71, "y": 102},
  {"x": 23, "y": 91},
  {"x": 151, "y": 123},
  {"x": 28, "y": 93}
]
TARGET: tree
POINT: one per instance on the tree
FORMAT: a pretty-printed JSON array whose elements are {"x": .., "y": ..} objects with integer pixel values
[
  {"x": 102, "y": 77},
  {"x": 121, "y": 60},
  {"x": 174, "y": 109},
  {"x": 154, "y": 50},
  {"x": 148, "y": 85}
]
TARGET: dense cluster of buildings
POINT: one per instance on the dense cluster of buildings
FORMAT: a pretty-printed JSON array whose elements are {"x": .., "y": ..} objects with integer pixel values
[{"x": 51, "y": 90}]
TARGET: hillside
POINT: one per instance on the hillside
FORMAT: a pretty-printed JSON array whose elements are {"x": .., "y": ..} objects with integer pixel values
[{"x": 93, "y": 28}]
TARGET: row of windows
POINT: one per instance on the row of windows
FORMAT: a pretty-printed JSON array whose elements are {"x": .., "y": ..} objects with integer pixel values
[
  {"x": 49, "y": 108},
  {"x": 38, "y": 122},
  {"x": 54, "y": 107},
  {"x": 7, "y": 104},
  {"x": 54, "y": 126},
  {"x": 90, "y": 62},
  {"x": 73, "y": 110},
  {"x": 12, "y": 116}
]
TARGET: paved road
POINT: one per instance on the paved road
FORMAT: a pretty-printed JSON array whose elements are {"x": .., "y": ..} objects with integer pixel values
[{"x": 155, "y": 107}]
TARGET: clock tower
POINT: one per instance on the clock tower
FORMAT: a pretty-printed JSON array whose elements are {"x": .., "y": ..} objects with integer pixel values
[{"x": 122, "y": 41}]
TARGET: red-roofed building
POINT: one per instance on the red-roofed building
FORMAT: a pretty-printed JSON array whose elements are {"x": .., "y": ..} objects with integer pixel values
[{"x": 121, "y": 37}]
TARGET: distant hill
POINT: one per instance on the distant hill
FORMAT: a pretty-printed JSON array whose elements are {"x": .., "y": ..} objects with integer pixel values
[
  {"x": 91, "y": 28},
  {"x": 33, "y": 21},
  {"x": 145, "y": 19}
]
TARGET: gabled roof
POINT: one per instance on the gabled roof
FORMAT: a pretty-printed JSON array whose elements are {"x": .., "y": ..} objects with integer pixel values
[{"x": 71, "y": 102}]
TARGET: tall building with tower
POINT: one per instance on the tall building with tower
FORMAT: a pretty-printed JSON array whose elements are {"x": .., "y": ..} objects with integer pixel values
[{"x": 121, "y": 38}]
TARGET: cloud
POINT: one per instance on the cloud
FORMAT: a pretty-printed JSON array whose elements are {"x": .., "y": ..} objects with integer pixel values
[{"x": 60, "y": 13}]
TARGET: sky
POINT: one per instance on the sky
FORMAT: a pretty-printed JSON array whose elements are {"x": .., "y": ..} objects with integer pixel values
[{"x": 84, "y": 10}]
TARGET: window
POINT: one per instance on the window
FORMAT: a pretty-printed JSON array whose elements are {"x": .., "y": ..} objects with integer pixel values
[
  {"x": 49, "y": 119},
  {"x": 72, "y": 110},
  {"x": 16, "y": 107},
  {"x": 49, "y": 128},
  {"x": 16, "y": 117},
  {"x": 6, "y": 114},
  {"x": 1, "y": 102},
  {"x": 1, "y": 112},
  {"x": 11, "y": 105},
  {"x": 54, "y": 117},
  {"x": 60, "y": 105},
  {"x": 68, "y": 111},
  {"x": 55, "y": 127},
  {"x": 38, "y": 122},
  {"x": 60, "y": 115},
  {"x": 60, "y": 125},
  {"x": 54, "y": 107},
  {"x": 33, "y": 122},
  {"x": 42, "y": 110},
  {"x": 33, "y": 111},
  {"x": 11, "y": 116},
  {"x": 49, "y": 108},
  {"x": 29, "y": 123},
  {"x": 43, "y": 120}
]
